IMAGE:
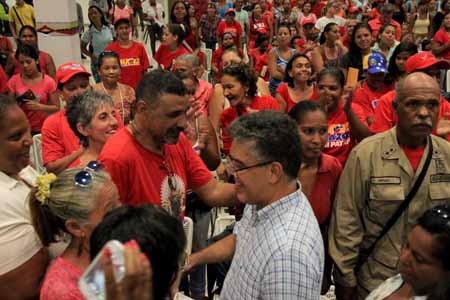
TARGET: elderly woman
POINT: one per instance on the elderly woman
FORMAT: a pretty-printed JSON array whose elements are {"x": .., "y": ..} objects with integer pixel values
[
  {"x": 70, "y": 205},
  {"x": 92, "y": 118},
  {"x": 23, "y": 260}
]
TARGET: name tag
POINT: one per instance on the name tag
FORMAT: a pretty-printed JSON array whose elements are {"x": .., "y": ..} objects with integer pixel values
[
  {"x": 385, "y": 180},
  {"x": 440, "y": 178}
]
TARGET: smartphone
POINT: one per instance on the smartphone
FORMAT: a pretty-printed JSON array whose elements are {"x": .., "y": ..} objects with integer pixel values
[
  {"x": 27, "y": 96},
  {"x": 92, "y": 282}
]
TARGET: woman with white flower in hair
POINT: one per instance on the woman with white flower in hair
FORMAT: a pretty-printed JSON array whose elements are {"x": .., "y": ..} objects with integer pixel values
[{"x": 70, "y": 206}]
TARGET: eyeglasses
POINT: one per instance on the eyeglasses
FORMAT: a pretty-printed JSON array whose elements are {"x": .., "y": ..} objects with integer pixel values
[
  {"x": 233, "y": 170},
  {"x": 84, "y": 177}
]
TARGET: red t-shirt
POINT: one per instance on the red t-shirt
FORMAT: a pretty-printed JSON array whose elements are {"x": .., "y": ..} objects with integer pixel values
[
  {"x": 443, "y": 38},
  {"x": 261, "y": 60},
  {"x": 317, "y": 9},
  {"x": 283, "y": 91},
  {"x": 134, "y": 62},
  {"x": 255, "y": 26},
  {"x": 232, "y": 113},
  {"x": 58, "y": 139},
  {"x": 165, "y": 58},
  {"x": 235, "y": 29},
  {"x": 3, "y": 81},
  {"x": 414, "y": 156},
  {"x": 340, "y": 140},
  {"x": 325, "y": 185},
  {"x": 41, "y": 90},
  {"x": 140, "y": 175},
  {"x": 385, "y": 116},
  {"x": 368, "y": 98}
]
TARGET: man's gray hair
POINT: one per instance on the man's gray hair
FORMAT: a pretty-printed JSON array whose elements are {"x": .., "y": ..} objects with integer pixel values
[
  {"x": 82, "y": 109},
  {"x": 193, "y": 59},
  {"x": 274, "y": 136}
]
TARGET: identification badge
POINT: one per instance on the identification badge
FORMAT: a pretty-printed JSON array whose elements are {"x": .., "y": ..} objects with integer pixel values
[{"x": 385, "y": 180}]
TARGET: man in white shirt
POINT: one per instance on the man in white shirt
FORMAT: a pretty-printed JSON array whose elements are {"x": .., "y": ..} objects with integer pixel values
[
  {"x": 153, "y": 20},
  {"x": 276, "y": 247}
]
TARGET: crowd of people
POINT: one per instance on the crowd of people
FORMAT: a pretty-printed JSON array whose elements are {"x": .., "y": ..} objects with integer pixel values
[{"x": 321, "y": 125}]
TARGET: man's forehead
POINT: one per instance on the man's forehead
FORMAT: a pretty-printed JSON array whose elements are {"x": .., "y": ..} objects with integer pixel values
[{"x": 425, "y": 93}]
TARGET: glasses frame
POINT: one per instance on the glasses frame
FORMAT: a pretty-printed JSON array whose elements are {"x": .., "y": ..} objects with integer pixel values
[{"x": 234, "y": 170}]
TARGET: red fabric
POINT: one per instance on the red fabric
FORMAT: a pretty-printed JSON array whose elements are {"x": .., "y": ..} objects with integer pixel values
[
  {"x": 191, "y": 40},
  {"x": 134, "y": 62},
  {"x": 5, "y": 44},
  {"x": 58, "y": 139},
  {"x": 261, "y": 60},
  {"x": 203, "y": 93},
  {"x": 232, "y": 113},
  {"x": 376, "y": 24},
  {"x": 385, "y": 116},
  {"x": 235, "y": 29},
  {"x": 43, "y": 58},
  {"x": 414, "y": 155},
  {"x": 3, "y": 81},
  {"x": 139, "y": 174},
  {"x": 61, "y": 281},
  {"x": 283, "y": 91},
  {"x": 42, "y": 90},
  {"x": 368, "y": 98},
  {"x": 325, "y": 185},
  {"x": 255, "y": 26},
  {"x": 165, "y": 58},
  {"x": 317, "y": 9},
  {"x": 340, "y": 141},
  {"x": 345, "y": 41},
  {"x": 202, "y": 58},
  {"x": 443, "y": 38}
]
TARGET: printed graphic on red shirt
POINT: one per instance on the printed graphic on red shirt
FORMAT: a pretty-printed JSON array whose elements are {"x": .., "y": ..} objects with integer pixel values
[
  {"x": 173, "y": 195},
  {"x": 338, "y": 135},
  {"x": 129, "y": 62}
]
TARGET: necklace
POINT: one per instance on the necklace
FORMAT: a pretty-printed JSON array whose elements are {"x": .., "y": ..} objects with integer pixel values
[{"x": 121, "y": 99}]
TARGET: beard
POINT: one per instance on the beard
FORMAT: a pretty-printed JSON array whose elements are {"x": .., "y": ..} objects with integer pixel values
[{"x": 172, "y": 135}]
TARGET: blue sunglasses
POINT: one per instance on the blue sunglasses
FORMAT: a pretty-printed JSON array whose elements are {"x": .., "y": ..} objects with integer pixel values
[{"x": 84, "y": 177}]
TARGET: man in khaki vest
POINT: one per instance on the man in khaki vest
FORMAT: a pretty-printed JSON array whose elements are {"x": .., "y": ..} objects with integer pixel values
[{"x": 378, "y": 175}]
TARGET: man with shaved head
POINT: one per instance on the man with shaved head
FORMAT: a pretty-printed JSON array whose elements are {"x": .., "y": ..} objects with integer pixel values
[{"x": 369, "y": 223}]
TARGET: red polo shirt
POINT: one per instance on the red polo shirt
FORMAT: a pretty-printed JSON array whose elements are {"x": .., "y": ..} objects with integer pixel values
[
  {"x": 235, "y": 29},
  {"x": 368, "y": 98}
]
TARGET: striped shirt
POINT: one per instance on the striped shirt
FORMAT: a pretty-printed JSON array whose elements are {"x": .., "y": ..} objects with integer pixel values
[{"x": 279, "y": 253}]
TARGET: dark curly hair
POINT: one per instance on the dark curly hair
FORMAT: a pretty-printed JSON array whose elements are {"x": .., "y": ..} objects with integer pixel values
[
  {"x": 287, "y": 78},
  {"x": 245, "y": 75}
]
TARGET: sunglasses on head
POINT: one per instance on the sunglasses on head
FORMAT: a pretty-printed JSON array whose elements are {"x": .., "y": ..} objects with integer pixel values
[{"x": 85, "y": 176}]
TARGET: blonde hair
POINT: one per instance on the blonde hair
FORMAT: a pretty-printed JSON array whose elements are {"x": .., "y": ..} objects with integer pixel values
[{"x": 67, "y": 201}]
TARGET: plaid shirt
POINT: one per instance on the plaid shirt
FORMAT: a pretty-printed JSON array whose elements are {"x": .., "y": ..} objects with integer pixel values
[
  {"x": 208, "y": 27},
  {"x": 279, "y": 253}
]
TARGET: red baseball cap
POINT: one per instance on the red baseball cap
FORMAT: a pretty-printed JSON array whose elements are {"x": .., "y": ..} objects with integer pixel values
[
  {"x": 229, "y": 11},
  {"x": 307, "y": 21},
  {"x": 68, "y": 70},
  {"x": 423, "y": 60}
]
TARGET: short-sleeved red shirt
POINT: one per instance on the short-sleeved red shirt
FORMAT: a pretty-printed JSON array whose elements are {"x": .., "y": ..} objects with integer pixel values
[
  {"x": 261, "y": 60},
  {"x": 235, "y": 29},
  {"x": 134, "y": 62},
  {"x": 165, "y": 58},
  {"x": 141, "y": 176},
  {"x": 340, "y": 140},
  {"x": 368, "y": 98},
  {"x": 3, "y": 81},
  {"x": 385, "y": 116},
  {"x": 283, "y": 91},
  {"x": 41, "y": 90},
  {"x": 58, "y": 139},
  {"x": 325, "y": 185},
  {"x": 232, "y": 113},
  {"x": 442, "y": 37}
]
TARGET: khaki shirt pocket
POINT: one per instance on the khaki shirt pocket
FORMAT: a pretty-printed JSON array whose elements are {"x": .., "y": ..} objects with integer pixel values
[
  {"x": 439, "y": 191},
  {"x": 384, "y": 201}
]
